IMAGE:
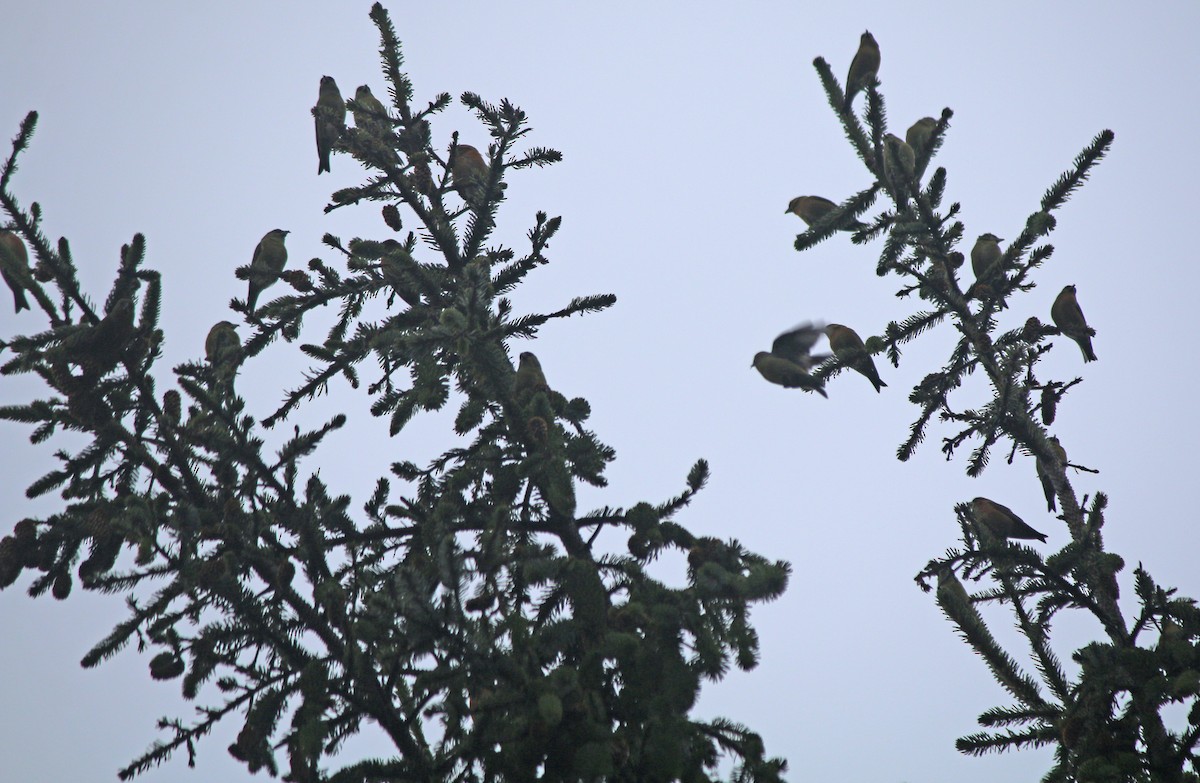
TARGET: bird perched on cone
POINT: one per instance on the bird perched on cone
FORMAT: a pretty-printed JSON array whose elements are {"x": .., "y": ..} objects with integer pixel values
[
  {"x": 864, "y": 68},
  {"x": 270, "y": 256},
  {"x": 470, "y": 173},
  {"x": 1001, "y": 522},
  {"x": 14, "y": 266},
  {"x": 849, "y": 348},
  {"x": 1047, "y": 487},
  {"x": 1069, "y": 319},
  {"x": 788, "y": 362},
  {"x": 223, "y": 349},
  {"x": 330, "y": 113},
  {"x": 811, "y": 209}
]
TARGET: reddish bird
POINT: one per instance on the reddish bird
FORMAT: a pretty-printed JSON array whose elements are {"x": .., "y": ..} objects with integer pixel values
[
  {"x": 852, "y": 352},
  {"x": 1001, "y": 522}
]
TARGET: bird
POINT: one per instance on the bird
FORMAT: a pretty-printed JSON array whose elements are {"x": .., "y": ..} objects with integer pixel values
[
  {"x": 811, "y": 209},
  {"x": 920, "y": 133},
  {"x": 529, "y": 378},
  {"x": 1069, "y": 319},
  {"x": 1001, "y": 522},
  {"x": 397, "y": 266},
  {"x": 899, "y": 161},
  {"x": 330, "y": 113},
  {"x": 223, "y": 349},
  {"x": 1048, "y": 488},
  {"x": 14, "y": 266},
  {"x": 852, "y": 352},
  {"x": 370, "y": 116},
  {"x": 104, "y": 344},
  {"x": 863, "y": 68},
  {"x": 788, "y": 362},
  {"x": 269, "y": 258},
  {"x": 985, "y": 256},
  {"x": 470, "y": 173}
]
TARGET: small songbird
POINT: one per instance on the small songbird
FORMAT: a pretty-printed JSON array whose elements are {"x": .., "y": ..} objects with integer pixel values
[
  {"x": 788, "y": 362},
  {"x": 14, "y": 266},
  {"x": 223, "y": 349},
  {"x": 852, "y": 352},
  {"x": 397, "y": 266},
  {"x": 1069, "y": 319},
  {"x": 270, "y": 256},
  {"x": 985, "y": 256},
  {"x": 811, "y": 209},
  {"x": 470, "y": 173},
  {"x": 105, "y": 343},
  {"x": 370, "y": 116},
  {"x": 529, "y": 378},
  {"x": 1047, "y": 488},
  {"x": 330, "y": 113},
  {"x": 899, "y": 161},
  {"x": 920, "y": 133},
  {"x": 1001, "y": 522},
  {"x": 864, "y": 68}
]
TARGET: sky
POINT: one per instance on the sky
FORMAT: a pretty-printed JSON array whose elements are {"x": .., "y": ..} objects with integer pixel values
[{"x": 685, "y": 130}]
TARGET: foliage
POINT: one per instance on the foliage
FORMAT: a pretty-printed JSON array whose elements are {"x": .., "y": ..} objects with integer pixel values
[
  {"x": 1105, "y": 721},
  {"x": 467, "y": 609}
]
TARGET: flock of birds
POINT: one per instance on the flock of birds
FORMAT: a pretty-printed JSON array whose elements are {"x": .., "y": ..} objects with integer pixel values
[{"x": 790, "y": 361}]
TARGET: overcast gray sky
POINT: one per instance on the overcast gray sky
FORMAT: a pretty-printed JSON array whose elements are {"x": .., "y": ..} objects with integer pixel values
[{"x": 686, "y": 128}]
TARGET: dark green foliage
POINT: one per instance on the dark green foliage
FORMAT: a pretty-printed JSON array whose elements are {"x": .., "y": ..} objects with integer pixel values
[
  {"x": 1106, "y": 722},
  {"x": 466, "y": 612}
]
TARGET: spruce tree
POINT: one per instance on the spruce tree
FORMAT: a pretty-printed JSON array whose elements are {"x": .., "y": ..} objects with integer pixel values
[
  {"x": 1105, "y": 716},
  {"x": 468, "y": 609}
]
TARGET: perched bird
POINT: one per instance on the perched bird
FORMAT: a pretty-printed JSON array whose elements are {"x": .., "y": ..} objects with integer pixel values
[
  {"x": 850, "y": 350},
  {"x": 370, "y": 116},
  {"x": 223, "y": 349},
  {"x": 105, "y": 343},
  {"x": 985, "y": 256},
  {"x": 1069, "y": 319},
  {"x": 899, "y": 161},
  {"x": 1047, "y": 488},
  {"x": 529, "y": 378},
  {"x": 788, "y": 362},
  {"x": 470, "y": 173},
  {"x": 397, "y": 265},
  {"x": 811, "y": 209},
  {"x": 14, "y": 266},
  {"x": 920, "y": 133},
  {"x": 950, "y": 589},
  {"x": 172, "y": 407},
  {"x": 863, "y": 68},
  {"x": 330, "y": 113},
  {"x": 1001, "y": 522},
  {"x": 269, "y": 258}
]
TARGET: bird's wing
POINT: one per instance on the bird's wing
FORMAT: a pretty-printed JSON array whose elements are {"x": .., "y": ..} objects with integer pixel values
[{"x": 795, "y": 344}]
